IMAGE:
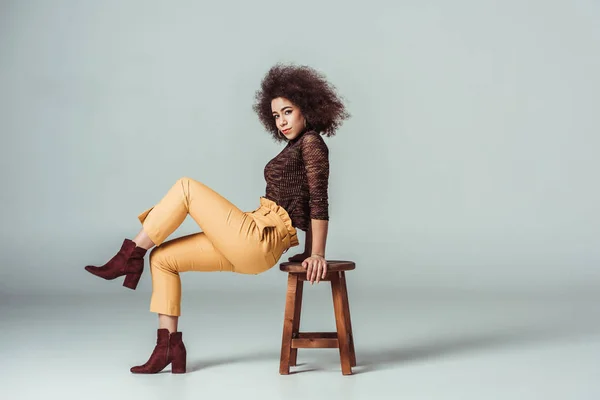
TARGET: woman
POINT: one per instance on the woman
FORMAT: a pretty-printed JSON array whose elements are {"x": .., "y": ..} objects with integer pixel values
[{"x": 295, "y": 104}]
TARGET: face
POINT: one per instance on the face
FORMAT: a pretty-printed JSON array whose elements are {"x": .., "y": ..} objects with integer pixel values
[{"x": 288, "y": 117}]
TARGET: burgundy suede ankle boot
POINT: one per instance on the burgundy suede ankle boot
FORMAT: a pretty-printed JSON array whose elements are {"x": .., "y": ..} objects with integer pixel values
[
  {"x": 128, "y": 261},
  {"x": 169, "y": 350}
]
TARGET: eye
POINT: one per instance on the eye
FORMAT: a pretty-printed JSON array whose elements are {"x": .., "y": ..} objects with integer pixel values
[
  {"x": 288, "y": 112},
  {"x": 275, "y": 116}
]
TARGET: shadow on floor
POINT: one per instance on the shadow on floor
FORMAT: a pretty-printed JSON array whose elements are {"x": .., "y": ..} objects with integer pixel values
[
  {"x": 379, "y": 359},
  {"x": 467, "y": 343},
  {"x": 271, "y": 356},
  {"x": 257, "y": 356}
]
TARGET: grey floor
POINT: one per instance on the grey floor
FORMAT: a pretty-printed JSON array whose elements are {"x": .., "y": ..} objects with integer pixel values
[{"x": 411, "y": 344}]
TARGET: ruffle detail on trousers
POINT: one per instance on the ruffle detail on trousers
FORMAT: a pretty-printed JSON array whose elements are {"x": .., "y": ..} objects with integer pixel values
[{"x": 285, "y": 217}]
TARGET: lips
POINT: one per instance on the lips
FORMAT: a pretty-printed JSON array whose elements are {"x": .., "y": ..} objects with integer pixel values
[{"x": 286, "y": 130}]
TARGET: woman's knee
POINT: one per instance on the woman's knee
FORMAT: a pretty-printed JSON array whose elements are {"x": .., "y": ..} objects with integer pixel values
[
  {"x": 184, "y": 181},
  {"x": 185, "y": 184},
  {"x": 159, "y": 259}
]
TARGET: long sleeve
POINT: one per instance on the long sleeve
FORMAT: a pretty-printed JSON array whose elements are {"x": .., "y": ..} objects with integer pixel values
[{"x": 315, "y": 155}]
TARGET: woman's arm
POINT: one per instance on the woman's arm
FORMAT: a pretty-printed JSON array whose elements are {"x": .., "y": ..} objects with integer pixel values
[
  {"x": 315, "y": 264},
  {"x": 315, "y": 155},
  {"x": 319, "y": 236}
]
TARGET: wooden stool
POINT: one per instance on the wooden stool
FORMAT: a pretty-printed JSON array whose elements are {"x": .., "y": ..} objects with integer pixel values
[{"x": 293, "y": 339}]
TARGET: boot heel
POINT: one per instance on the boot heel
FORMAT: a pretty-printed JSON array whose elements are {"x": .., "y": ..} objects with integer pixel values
[
  {"x": 178, "y": 364},
  {"x": 131, "y": 280}
]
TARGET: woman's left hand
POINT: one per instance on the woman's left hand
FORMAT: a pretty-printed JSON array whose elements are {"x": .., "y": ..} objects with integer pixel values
[{"x": 316, "y": 268}]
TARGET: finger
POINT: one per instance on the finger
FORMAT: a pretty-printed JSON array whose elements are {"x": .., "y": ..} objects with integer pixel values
[
  {"x": 313, "y": 269},
  {"x": 319, "y": 273},
  {"x": 308, "y": 271},
  {"x": 324, "y": 271}
]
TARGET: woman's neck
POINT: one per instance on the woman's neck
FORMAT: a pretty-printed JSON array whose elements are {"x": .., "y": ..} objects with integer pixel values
[{"x": 294, "y": 140}]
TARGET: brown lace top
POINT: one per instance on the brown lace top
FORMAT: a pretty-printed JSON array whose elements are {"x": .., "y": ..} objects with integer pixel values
[{"x": 298, "y": 177}]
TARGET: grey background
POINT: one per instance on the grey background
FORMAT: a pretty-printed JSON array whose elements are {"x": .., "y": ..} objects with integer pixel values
[
  {"x": 465, "y": 188},
  {"x": 470, "y": 161}
]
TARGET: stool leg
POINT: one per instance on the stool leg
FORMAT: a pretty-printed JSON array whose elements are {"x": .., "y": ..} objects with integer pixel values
[
  {"x": 296, "y": 324},
  {"x": 348, "y": 319},
  {"x": 340, "y": 322},
  {"x": 288, "y": 324}
]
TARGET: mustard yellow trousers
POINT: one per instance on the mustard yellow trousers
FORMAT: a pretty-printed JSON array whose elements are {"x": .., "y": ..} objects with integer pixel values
[{"x": 246, "y": 242}]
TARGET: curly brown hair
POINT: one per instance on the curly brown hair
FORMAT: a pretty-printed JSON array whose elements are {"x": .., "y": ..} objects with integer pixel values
[{"x": 307, "y": 89}]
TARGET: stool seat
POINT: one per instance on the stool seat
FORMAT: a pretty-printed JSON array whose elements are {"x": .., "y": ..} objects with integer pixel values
[{"x": 332, "y": 266}]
